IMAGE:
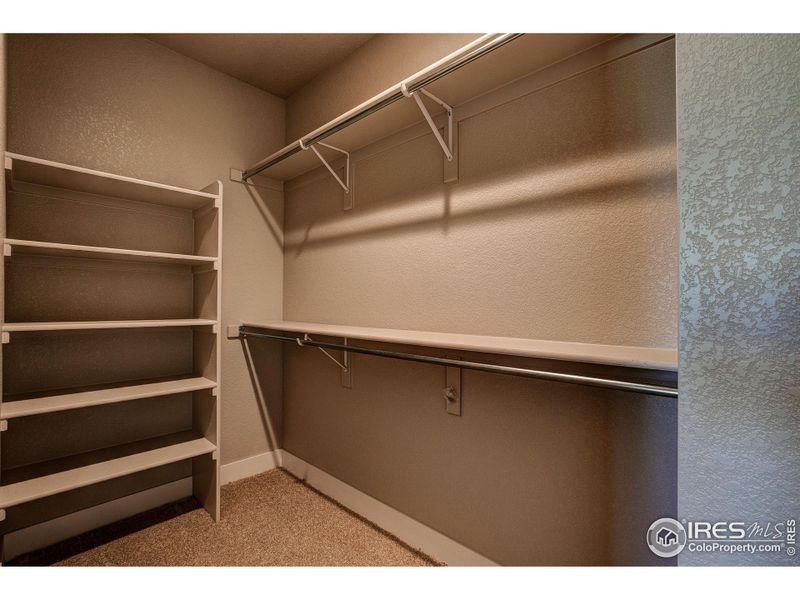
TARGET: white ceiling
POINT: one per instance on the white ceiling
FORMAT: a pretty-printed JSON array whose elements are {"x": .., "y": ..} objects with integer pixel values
[{"x": 278, "y": 63}]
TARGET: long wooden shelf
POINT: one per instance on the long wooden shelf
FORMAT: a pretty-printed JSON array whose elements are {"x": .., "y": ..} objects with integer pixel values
[
  {"x": 109, "y": 395},
  {"x": 27, "y": 169},
  {"x": 79, "y": 325},
  {"x": 63, "y": 475},
  {"x": 78, "y": 251},
  {"x": 663, "y": 359}
]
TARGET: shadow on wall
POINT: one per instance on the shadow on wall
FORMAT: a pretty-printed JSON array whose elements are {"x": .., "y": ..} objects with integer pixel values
[
  {"x": 264, "y": 195},
  {"x": 611, "y": 178},
  {"x": 595, "y": 237},
  {"x": 580, "y": 139},
  {"x": 267, "y": 387}
]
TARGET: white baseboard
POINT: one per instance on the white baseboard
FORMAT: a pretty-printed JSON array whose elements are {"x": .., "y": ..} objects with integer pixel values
[
  {"x": 248, "y": 467},
  {"x": 410, "y": 531},
  {"x": 51, "y": 532}
]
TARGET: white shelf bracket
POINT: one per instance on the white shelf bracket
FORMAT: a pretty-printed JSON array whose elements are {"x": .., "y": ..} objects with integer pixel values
[
  {"x": 345, "y": 184},
  {"x": 343, "y": 366},
  {"x": 447, "y": 147},
  {"x": 4, "y": 425},
  {"x": 348, "y": 191},
  {"x": 2, "y": 514},
  {"x": 6, "y": 337}
]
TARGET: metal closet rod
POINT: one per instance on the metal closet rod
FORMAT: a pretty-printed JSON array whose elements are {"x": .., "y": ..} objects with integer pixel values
[
  {"x": 614, "y": 384},
  {"x": 463, "y": 56}
]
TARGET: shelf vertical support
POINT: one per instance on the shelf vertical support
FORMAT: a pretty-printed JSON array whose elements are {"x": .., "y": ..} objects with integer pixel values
[
  {"x": 447, "y": 147},
  {"x": 452, "y": 390},
  {"x": 450, "y": 167},
  {"x": 347, "y": 372},
  {"x": 450, "y": 147},
  {"x": 345, "y": 185},
  {"x": 341, "y": 365}
]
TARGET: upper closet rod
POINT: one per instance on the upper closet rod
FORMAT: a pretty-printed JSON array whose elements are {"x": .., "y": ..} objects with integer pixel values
[
  {"x": 614, "y": 384},
  {"x": 448, "y": 64}
]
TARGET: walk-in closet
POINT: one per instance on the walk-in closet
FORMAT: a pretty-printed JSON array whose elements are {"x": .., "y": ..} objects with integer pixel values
[{"x": 383, "y": 299}]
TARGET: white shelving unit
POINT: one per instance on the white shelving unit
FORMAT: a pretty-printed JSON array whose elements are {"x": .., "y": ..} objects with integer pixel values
[{"x": 39, "y": 237}]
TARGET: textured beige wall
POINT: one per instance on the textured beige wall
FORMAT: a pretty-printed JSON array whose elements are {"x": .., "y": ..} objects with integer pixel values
[
  {"x": 563, "y": 226},
  {"x": 378, "y": 64},
  {"x": 123, "y": 104}
]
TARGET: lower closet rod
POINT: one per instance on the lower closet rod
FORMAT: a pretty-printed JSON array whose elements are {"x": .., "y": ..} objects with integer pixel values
[{"x": 628, "y": 386}]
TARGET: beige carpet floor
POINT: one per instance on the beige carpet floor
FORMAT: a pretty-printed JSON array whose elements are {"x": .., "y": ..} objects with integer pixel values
[{"x": 269, "y": 519}]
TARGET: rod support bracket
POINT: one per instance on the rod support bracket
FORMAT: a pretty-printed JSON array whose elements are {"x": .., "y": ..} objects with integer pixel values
[
  {"x": 4, "y": 425},
  {"x": 342, "y": 365},
  {"x": 447, "y": 147},
  {"x": 344, "y": 184}
]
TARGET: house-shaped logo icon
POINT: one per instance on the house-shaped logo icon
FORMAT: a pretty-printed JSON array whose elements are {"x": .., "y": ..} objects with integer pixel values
[{"x": 666, "y": 537}]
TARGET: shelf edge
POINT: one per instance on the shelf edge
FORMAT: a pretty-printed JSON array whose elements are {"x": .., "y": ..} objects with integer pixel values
[
  {"x": 662, "y": 359},
  {"x": 38, "y": 406},
  {"x": 71, "y": 479}
]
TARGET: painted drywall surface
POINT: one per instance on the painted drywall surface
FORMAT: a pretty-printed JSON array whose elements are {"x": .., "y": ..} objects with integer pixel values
[
  {"x": 563, "y": 225},
  {"x": 2, "y": 179},
  {"x": 278, "y": 63},
  {"x": 380, "y": 63},
  {"x": 123, "y": 104},
  {"x": 519, "y": 477},
  {"x": 643, "y": 463},
  {"x": 739, "y": 157}
]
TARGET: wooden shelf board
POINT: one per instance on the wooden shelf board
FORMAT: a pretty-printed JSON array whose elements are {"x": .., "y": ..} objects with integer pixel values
[
  {"x": 665, "y": 359},
  {"x": 28, "y": 169},
  {"x": 77, "y": 251},
  {"x": 62, "y": 475},
  {"x": 70, "y": 401},
  {"x": 79, "y": 325}
]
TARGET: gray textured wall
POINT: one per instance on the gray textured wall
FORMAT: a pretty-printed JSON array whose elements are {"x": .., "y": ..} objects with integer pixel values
[
  {"x": 2, "y": 175},
  {"x": 739, "y": 155}
]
